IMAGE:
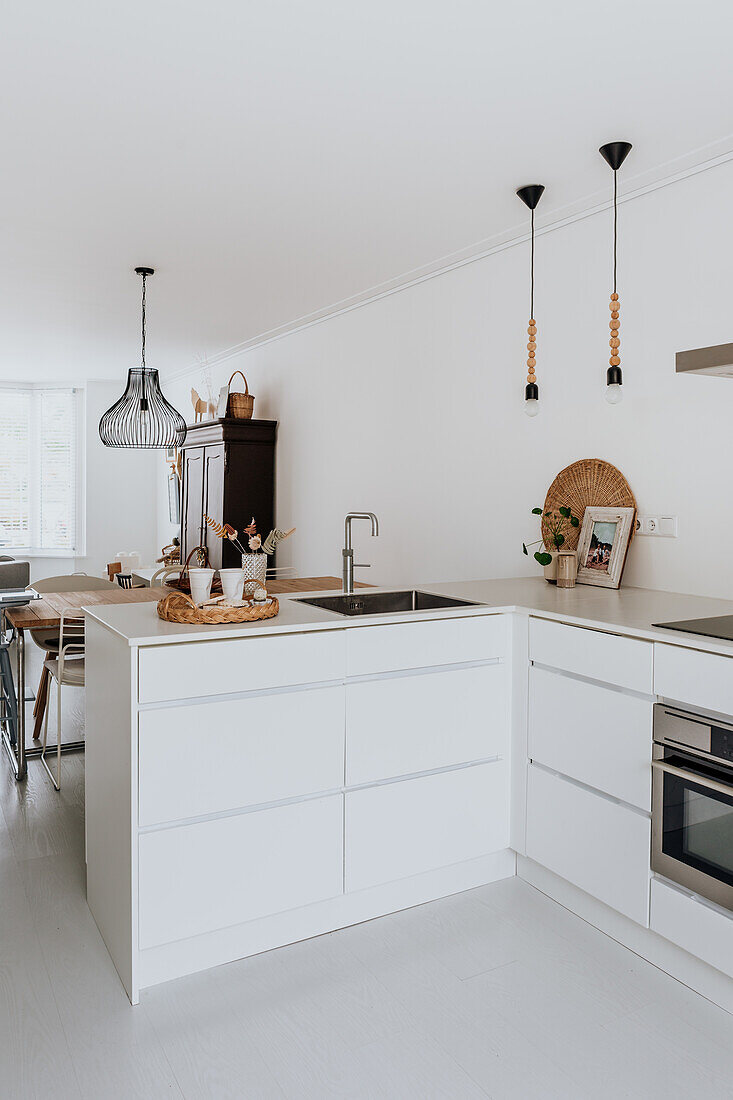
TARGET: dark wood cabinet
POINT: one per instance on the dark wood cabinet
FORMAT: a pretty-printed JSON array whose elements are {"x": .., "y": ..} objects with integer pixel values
[{"x": 228, "y": 474}]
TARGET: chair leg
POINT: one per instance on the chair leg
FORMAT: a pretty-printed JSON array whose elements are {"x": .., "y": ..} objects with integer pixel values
[
  {"x": 55, "y": 779},
  {"x": 39, "y": 707}
]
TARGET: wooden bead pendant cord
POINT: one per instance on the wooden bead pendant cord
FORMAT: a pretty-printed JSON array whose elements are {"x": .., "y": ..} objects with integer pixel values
[
  {"x": 530, "y": 196},
  {"x": 615, "y": 153}
]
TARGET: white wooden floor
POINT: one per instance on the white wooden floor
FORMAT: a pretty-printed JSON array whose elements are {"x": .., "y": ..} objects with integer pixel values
[{"x": 498, "y": 992}]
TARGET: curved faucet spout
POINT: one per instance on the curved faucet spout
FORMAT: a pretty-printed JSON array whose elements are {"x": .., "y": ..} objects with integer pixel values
[{"x": 347, "y": 553}]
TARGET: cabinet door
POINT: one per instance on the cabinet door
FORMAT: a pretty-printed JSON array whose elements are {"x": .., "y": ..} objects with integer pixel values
[
  {"x": 213, "y": 500},
  {"x": 193, "y": 498},
  {"x": 589, "y": 840}
]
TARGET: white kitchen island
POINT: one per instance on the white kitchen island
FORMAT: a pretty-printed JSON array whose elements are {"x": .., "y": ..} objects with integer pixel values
[{"x": 254, "y": 785}]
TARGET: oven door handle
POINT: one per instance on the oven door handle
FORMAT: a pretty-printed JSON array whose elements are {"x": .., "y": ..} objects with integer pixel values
[{"x": 710, "y": 784}]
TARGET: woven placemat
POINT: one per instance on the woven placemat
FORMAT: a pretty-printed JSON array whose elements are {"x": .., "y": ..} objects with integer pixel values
[{"x": 590, "y": 481}]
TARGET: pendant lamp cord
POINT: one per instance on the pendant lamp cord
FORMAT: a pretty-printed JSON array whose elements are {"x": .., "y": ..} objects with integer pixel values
[
  {"x": 615, "y": 224},
  {"x": 143, "y": 323},
  {"x": 143, "y": 393},
  {"x": 531, "y": 270}
]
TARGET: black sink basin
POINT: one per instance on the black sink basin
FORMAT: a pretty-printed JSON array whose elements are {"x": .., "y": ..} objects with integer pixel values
[{"x": 385, "y": 603}]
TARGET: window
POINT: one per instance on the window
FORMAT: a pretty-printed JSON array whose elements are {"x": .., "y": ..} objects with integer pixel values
[{"x": 40, "y": 470}]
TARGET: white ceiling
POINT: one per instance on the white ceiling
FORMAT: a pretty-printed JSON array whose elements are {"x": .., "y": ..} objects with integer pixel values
[{"x": 270, "y": 159}]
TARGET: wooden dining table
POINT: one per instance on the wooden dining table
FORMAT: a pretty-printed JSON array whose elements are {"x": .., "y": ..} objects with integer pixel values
[{"x": 45, "y": 614}]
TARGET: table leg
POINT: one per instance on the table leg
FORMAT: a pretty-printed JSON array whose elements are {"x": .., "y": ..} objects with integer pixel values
[{"x": 22, "y": 768}]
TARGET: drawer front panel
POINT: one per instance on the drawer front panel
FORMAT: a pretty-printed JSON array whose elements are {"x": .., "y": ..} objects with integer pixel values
[
  {"x": 698, "y": 679},
  {"x": 193, "y": 669},
  {"x": 599, "y": 736},
  {"x": 596, "y": 844},
  {"x": 696, "y": 928},
  {"x": 374, "y": 649},
  {"x": 212, "y": 757},
  {"x": 409, "y": 724},
  {"x": 197, "y": 878},
  {"x": 625, "y": 662},
  {"x": 404, "y": 829}
]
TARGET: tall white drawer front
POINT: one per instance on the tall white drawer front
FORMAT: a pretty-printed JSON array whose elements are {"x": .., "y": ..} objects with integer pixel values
[
  {"x": 197, "y": 878},
  {"x": 693, "y": 926},
  {"x": 211, "y": 757},
  {"x": 407, "y": 828},
  {"x": 373, "y": 649},
  {"x": 689, "y": 676},
  {"x": 596, "y": 844},
  {"x": 193, "y": 669},
  {"x": 626, "y": 662},
  {"x": 591, "y": 733},
  {"x": 417, "y": 723}
]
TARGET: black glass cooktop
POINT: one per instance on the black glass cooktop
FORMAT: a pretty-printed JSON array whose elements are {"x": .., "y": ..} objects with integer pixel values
[{"x": 720, "y": 626}]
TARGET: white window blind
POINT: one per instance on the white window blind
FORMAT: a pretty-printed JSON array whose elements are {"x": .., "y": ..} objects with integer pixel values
[{"x": 39, "y": 469}]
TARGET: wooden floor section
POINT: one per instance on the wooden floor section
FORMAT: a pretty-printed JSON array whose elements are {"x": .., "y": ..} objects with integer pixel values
[{"x": 497, "y": 992}]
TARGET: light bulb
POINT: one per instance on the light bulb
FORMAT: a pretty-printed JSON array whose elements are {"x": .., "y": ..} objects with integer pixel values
[
  {"x": 532, "y": 406},
  {"x": 614, "y": 394}
]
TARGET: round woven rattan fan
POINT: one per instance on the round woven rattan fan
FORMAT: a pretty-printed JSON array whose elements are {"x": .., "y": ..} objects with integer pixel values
[{"x": 588, "y": 482}]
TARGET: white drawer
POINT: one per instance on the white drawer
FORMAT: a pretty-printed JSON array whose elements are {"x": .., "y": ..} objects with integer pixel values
[
  {"x": 407, "y": 828},
  {"x": 592, "y": 842},
  {"x": 197, "y": 878},
  {"x": 689, "y": 676},
  {"x": 591, "y": 733},
  {"x": 192, "y": 669},
  {"x": 212, "y": 757},
  {"x": 447, "y": 641},
  {"x": 626, "y": 662},
  {"x": 409, "y": 724},
  {"x": 693, "y": 926}
]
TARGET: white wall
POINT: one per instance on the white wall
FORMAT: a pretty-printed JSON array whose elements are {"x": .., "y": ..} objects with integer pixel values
[
  {"x": 120, "y": 496},
  {"x": 412, "y": 406}
]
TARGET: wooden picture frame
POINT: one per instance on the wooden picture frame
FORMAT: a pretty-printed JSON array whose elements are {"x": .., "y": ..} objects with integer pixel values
[{"x": 604, "y": 542}]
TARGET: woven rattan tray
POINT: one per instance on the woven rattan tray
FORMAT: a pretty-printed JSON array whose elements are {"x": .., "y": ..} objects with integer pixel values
[
  {"x": 590, "y": 481},
  {"x": 180, "y": 608}
]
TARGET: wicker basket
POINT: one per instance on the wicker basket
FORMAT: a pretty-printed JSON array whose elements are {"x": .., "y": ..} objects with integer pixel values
[
  {"x": 180, "y": 608},
  {"x": 590, "y": 482},
  {"x": 240, "y": 405}
]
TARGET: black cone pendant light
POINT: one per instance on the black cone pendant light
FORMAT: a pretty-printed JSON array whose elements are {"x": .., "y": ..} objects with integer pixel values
[
  {"x": 142, "y": 417},
  {"x": 530, "y": 196},
  {"x": 615, "y": 153}
]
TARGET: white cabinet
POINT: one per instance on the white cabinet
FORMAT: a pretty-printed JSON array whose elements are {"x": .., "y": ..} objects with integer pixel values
[
  {"x": 589, "y": 840},
  {"x": 698, "y": 679},
  {"x": 698, "y": 928},
  {"x": 222, "y": 755},
  {"x": 406, "y": 828},
  {"x": 194, "y": 669},
  {"x": 626, "y": 662},
  {"x": 597, "y": 735},
  {"x": 377, "y": 649},
  {"x": 416, "y": 723},
  {"x": 212, "y": 874}
]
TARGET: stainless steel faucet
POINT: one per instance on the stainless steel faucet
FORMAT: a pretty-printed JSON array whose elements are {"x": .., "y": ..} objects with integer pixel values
[{"x": 347, "y": 552}]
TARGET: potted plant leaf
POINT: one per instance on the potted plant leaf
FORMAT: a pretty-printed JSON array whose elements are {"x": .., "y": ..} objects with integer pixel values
[{"x": 554, "y": 526}]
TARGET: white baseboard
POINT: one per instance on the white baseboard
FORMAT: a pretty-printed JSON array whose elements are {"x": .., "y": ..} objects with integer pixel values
[
  {"x": 691, "y": 971},
  {"x": 173, "y": 960}
]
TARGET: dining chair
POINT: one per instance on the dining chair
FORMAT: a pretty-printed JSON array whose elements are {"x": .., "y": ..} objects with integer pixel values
[
  {"x": 48, "y": 639},
  {"x": 65, "y": 669}
]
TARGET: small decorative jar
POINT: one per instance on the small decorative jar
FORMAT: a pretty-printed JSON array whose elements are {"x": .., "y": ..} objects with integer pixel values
[
  {"x": 255, "y": 567},
  {"x": 567, "y": 568}
]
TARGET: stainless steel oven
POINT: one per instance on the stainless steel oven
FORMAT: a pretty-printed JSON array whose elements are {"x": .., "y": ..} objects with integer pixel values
[{"x": 692, "y": 802}]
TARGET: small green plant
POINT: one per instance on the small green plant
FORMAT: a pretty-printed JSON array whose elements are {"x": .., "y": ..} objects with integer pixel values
[{"x": 554, "y": 525}]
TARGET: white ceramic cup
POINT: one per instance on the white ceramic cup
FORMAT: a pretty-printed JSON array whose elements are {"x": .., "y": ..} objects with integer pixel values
[
  {"x": 232, "y": 583},
  {"x": 200, "y": 584}
]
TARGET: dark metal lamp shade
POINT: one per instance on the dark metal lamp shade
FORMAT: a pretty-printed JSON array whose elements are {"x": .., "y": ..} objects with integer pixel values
[{"x": 142, "y": 417}]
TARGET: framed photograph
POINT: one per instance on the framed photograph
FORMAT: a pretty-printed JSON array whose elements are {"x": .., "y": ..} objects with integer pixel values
[{"x": 604, "y": 540}]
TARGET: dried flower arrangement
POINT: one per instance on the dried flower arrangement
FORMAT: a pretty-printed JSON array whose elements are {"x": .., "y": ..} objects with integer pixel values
[{"x": 255, "y": 545}]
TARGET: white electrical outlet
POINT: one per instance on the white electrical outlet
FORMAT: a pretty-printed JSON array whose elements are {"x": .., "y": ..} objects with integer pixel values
[{"x": 657, "y": 526}]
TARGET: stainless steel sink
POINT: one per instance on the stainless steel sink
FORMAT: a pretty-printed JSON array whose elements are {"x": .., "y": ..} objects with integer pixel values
[{"x": 385, "y": 603}]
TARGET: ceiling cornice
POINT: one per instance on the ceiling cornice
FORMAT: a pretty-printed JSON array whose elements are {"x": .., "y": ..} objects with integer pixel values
[{"x": 701, "y": 160}]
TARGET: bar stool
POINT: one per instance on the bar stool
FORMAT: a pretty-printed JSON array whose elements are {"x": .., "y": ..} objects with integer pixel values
[{"x": 66, "y": 669}]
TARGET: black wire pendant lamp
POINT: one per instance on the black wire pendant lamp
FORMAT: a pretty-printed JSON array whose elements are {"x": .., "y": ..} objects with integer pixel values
[
  {"x": 530, "y": 196},
  {"x": 615, "y": 153},
  {"x": 142, "y": 417}
]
